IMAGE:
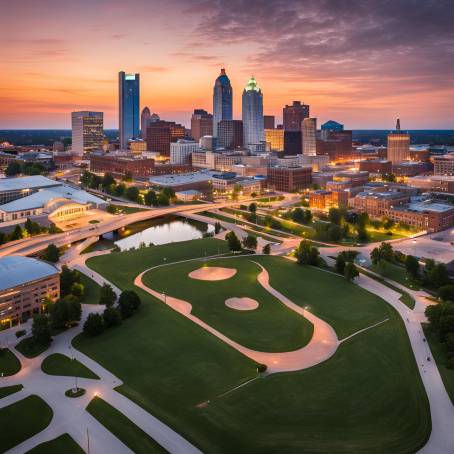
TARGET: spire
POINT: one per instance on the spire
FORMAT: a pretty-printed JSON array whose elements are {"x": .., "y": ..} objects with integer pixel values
[
  {"x": 398, "y": 125},
  {"x": 252, "y": 85},
  {"x": 222, "y": 71}
]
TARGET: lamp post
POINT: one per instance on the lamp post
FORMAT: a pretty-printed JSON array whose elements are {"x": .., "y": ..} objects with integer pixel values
[{"x": 165, "y": 298}]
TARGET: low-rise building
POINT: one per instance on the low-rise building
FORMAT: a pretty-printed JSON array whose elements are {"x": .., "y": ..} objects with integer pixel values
[
  {"x": 181, "y": 151},
  {"x": 433, "y": 183},
  {"x": 377, "y": 204},
  {"x": 444, "y": 164},
  {"x": 288, "y": 179},
  {"x": 181, "y": 182},
  {"x": 189, "y": 195},
  {"x": 376, "y": 166},
  {"x": 120, "y": 165},
  {"x": 25, "y": 285}
]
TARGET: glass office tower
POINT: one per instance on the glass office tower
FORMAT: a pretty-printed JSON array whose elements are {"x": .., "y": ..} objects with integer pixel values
[
  {"x": 253, "y": 128},
  {"x": 222, "y": 100},
  {"x": 129, "y": 99}
]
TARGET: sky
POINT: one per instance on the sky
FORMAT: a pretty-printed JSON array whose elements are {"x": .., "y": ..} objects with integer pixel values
[{"x": 360, "y": 62}]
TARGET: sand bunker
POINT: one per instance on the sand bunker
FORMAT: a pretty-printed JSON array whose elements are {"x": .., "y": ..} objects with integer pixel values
[
  {"x": 242, "y": 304},
  {"x": 212, "y": 273}
]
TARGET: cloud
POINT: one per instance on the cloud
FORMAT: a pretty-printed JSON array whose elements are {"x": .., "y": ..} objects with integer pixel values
[
  {"x": 119, "y": 36},
  {"x": 153, "y": 69}
]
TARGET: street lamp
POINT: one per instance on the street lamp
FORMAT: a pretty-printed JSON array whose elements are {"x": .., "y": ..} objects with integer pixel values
[{"x": 165, "y": 298}]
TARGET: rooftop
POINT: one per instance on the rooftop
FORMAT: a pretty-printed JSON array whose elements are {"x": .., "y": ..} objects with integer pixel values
[
  {"x": 32, "y": 182},
  {"x": 184, "y": 178},
  {"x": 429, "y": 207},
  {"x": 16, "y": 270}
]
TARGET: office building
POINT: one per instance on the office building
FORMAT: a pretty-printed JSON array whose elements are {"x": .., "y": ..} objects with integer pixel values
[
  {"x": 138, "y": 146},
  {"x": 274, "y": 139},
  {"x": 230, "y": 134},
  {"x": 309, "y": 130},
  {"x": 252, "y": 114},
  {"x": 222, "y": 100},
  {"x": 181, "y": 151},
  {"x": 294, "y": 115},
  {"x": 444, "y": 164},
  {"x": 432, "y": 183},
  {"x": 201, "y": 124},
  {"x": 338, "y": 146},
  {"x": 25, "y": 287},
  {"x": 268, "y": 121},
  {"x": 121, "y": 165},
  {"x": 129, "y": 100},
  {"x": 87, "y": 132},
  {"x": 292, "y": 143},
  {"x": 330, "y": 126},
  {"x": 288, "y": 179},
  {"x": 377, "y": 166},
  {"x": 398, "y": 145},
  {"x": 144, "y": 118},
  {"x": 160, "y": 134}
]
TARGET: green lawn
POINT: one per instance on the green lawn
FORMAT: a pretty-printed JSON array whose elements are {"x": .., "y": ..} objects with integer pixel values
[
  {"x": 396, "y": 273},
  {"x": 22, "y": 420},
  {"x": 368, "y": 398},
  {"x": 7, "y": 390},
  {"x": 128, "y": 210},
  {"x": 62, "y": 444},
  {"x": 9, "y": 364},
  {"x": 29, "y": 348},
  {"x": 272, "y": 327},
  {"x": 123, "y": 428},
  {"x": 439, "y": 352},
  {"x": 58, "y": 364},
  {"x": 92, "y": 290}
]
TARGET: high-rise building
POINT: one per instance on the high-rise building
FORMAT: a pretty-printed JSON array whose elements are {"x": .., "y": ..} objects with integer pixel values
[
  {"x": 398, "y": 145},
  {"x": 268, "y": 121},
  {"x": 201, "y": 124},
  {"x": 292, "y": 143},
  {"x": 181, "y": 150},
  {"x": 309, "y": 136},
  {"x": 222, "y": 100},
  {"x": 129, "y": 99},
  {"x": 87, "y": 131},
  {"x": 294, "y": 115},
  {"x": 230, "y": 134},
  {"x": 330, "y": 126},
  {"x": 274, "y": 139},
  {"x": 253, "y": 130},
  {"x": 160, "y": 134},
  {"x": 144, "y": 118}
]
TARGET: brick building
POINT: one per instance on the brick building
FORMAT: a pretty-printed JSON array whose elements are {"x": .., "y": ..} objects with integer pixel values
[
  {"x": 288, "y": 179},
  {"x": 161, "y": 134}
]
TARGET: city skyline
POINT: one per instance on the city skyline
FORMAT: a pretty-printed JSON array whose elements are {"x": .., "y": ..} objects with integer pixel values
[{"x": 363, "y": 65}]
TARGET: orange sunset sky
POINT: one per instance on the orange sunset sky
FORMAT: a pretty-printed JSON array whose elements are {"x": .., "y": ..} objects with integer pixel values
[{"x": 363, "y": 63}]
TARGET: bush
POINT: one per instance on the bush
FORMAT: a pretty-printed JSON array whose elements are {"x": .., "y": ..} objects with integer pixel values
[
  {"x": 266, "y": 249},
  {"x": 233, "y": 242},
  {"x": 217, "y": 227},
  {"x": 446, "y": 292},
  {"x": 250, "y": 242},
  {"x": 107, "y": 296},
  {"x": 128, "y": 303},
  {"x": 261, "y": 368},
  {"x": 306, "y": 254},
  {"x": 20, "y": 333},
  {"x": 94, "y": 325},
  {"x": 51, "y": 253},
  {"x": 41, "y": 330},
  {"x": 111, "y": 316}
]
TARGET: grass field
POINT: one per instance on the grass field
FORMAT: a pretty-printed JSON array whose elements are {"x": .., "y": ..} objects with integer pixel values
[
  {"x": 439, "y": 352},
  {"x": 368, "y": 398},
  {"x": 7, "y": 390},
  {"x": 123, "y": 428},
  {"x": 272, "y": 327},
  {"x": 9, "y": 364},
  {"x": 58, "y": 364},
  {"x": 62, "y": 444},
  {"x": 22, "y": 420},
  {"x": 30, "y": 349},
  {"x": 92, "y": 290},
  {"x": 396, "y": 273}
]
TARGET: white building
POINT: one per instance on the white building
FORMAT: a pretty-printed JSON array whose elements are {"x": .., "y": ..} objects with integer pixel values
[
  {"x": 180, "y": 151},
  {"x": 87, "y": 131},
  {"x": 39, "y": 196}
]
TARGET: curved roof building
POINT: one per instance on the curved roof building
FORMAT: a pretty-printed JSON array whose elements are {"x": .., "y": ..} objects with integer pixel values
[
  {"x": 222, "y": 100},
  {"x": 253, "y": 127}
]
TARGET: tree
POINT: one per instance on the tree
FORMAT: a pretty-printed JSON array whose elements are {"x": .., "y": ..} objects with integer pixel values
[
  {"x": 151, "y": 198},
  {"x": 362, "y": 235},
  {"x": 446, "y": 292},
  {"x": 334, "y": 216},
  {"x": 253, "y": 207},
  {"x": 65, "y": 312},
  {"x": 120, "y": 190},
  {"x": 94, "y": 325},
  {"x": 250, "y": 242},
  {"x": 13, "y": 169},
  {"x": 350, "y": 272},
  {"x": 107, "y": 296},
  {"x": 51, "y": 253},
  {"x": 67, "y": 279},
  {"x": 32, "y": 228},
  {"x": 266, "y": 249},
  {"x": 112, "y": 209},
  {"x": 438, "y": 275},
  {"x": 306, "y": 254},
  {"x": 132, "y": 193},
  {"x": 233, "y": 242},
  {"x": 169, "y": 193},
  {"x": 17, "y": 233},
  {"x": 41, "y": 329},
  {"x": 383, "y": 252},
  {"x": 340, "y": 264},
  {"x": 412, "y": 266},
  {"x": 111, "y": 316},
  {"x": 128, "y": 303},
  {"x": 433, "y": 314},
  {"x": 162, "y": 199},
  {"x": 217, "y": 227},
  {"x": 78, "y": 290},
  {"x": 334, "y": 232},
  {"x": 85, "y": 179},
  {"x": 107, "y": 180}
]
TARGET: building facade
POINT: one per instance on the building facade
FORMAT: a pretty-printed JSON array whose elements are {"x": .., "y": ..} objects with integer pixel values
[
  {"x": 252, "y": 114},
  {"x": 230, "y": 134},
  {"x": 201, "y": 124},
  {"x": 87, "y": 131},
  {"x": 294, "y": 115},
  {"x": 268, "y": 121},
  {"x": 144, "y": 119},
  {"x": 222, "y": 100},
  {"x": 309, "y": 130},
  {"x": 288, "y": 179},
  {"x": 121, "y": 166},
  {"x": 444, "y": 164},
  {"x": 160, "y": 134},
  {"x": 129, "y": 101},
  {"x": 398, "y": 145},
  {"x": 181, "y": 151}
]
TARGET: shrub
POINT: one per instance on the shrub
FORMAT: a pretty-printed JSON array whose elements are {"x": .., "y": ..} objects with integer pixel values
[
  {"x": 266, "y": 248},
  {"x": 261, "y": 368},
  {"x": 94, "y": 325},
  {"x": 111, "y": 316},
  {"x": 20, "y": 333},
  {"x": 128, "y": 302}
]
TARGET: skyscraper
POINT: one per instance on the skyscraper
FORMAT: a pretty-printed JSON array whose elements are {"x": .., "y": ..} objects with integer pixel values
[
  {"x": 330, "y": 126},
  {"x": 309, "y": 136},
  {"x": 294, "y": 115},
  {"x": 222, "y": 100},
  {"x": 253, "y": 130},
  {"x": 160, "y": 134},
  {"x": 87, "y": 131},
  {"x": 230, "y": 134},
  {"x": 201, "y": 124},
  {"x": 129, "y": 100},
  {"x": 398, "y": 145},
  {"x": 144, "y": 117},
  {"x": 268, "y": 121}
]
